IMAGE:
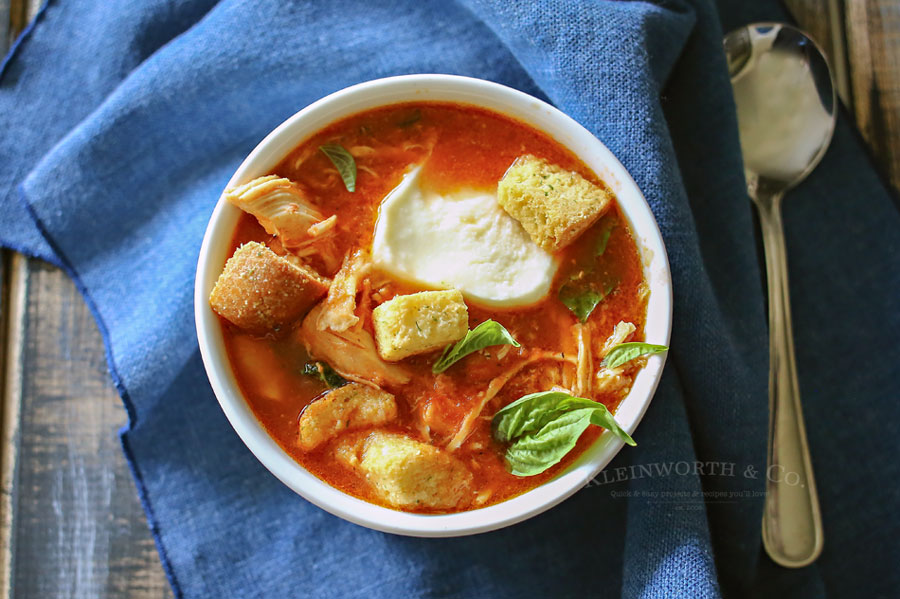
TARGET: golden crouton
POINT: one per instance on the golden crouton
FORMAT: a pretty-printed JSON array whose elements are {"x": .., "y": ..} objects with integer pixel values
[
  {"x": 261, "y": 291},
  {"x": 408, "y": 474},
  {"x": 553, "y": 205},
  {"x": 346, "y": 408},
  {"x": 419, "y": 323}
]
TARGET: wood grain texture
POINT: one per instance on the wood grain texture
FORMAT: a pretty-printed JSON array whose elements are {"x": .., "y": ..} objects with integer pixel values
[
  {"x": 873, "y": 35},
  {"x": 823, "y": 20},
  {"x": 17, "y": 16},
  {"x": 14, "y": 295},
  {"x": 862, "y": 41},
  {"x": 5, "y": 22},
  {"x": 79, "y": 530}
]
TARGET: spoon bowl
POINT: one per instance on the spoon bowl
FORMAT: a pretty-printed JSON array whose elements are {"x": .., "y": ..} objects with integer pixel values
[
  {"x": 786, "y": 108},
  {"x": 785, "y": 102}
]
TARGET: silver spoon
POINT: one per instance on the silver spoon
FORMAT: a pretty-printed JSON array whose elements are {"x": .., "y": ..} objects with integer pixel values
[{"x": 786, "y": 108}]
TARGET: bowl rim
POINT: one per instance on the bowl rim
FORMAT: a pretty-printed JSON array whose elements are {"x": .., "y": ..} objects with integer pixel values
[{"x": 512, "y": 104}]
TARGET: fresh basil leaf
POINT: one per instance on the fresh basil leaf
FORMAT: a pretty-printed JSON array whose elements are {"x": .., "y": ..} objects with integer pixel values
[
  {"x": 537, "y": 451},
  {"x": 486, "y": 334},
  {"x": 531, "y": 412},
  {"x": 539, "y": 425},
  {"x": 343, "y": 161},
  {"x": 581, "y": 298},
  {"x": 605, "y": 233},
  {"x": 626, "y": 352},
  {"x": 602, "y": 417},
  {"x": 412, "y": 119},
  {"x": 589, "y": 280},
  {"x": 324, "y": 373},
  {"x": 527, "y": 414}
]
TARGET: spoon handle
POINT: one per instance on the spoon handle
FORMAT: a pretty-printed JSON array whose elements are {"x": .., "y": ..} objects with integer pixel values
[{"x": 792, "y": 523}]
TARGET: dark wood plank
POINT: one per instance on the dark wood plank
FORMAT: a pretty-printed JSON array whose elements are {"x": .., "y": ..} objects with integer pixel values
[
  {"x": 862, "y": 40},
  {"x": 5, "y": 21},
  {"x": 823, "y": 21},
  {"x": 18, "y": 14},
  {"x": 79, "y": 530},
  {"x": 873, "y": 33},
  {"x": 8, "y": 395},
  {"x": 15, "y": 291}
]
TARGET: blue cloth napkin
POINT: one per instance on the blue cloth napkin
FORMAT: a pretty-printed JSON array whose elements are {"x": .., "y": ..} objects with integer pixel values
[{"x": 122, "y": 123}]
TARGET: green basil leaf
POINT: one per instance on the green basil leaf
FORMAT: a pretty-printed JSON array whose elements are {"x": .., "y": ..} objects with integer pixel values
[
  {"x": 412, "y": 119},
  {"x": 486, "y": 334},
  {"x": 605, "y": 233},
  {"x": 343, "y": 161},
  {"x": 590, "y": 278},
  {"x": 539, "y": 425},
  {"x": 527, "y": 414},
  {"x": 626, "y": 352},
  {"x": 537, "y": 451},
  {"x": 324, "y": 373},
  {"x": 602, "y": 417},
  {"x": 581, "y": 299}
]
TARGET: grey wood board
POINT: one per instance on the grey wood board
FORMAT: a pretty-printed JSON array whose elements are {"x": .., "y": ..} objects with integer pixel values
[{"x": 79, "y": 530}]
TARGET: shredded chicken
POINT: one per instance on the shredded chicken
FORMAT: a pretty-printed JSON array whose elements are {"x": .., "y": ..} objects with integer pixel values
[
  {"x": 325, "y": 227},
  {"x": 465, "y": 428},
  {"x": 614, "y": 380},
  {"x": 339, "y": 308},
  {"x": 366, "y": 169},
  {"x": 585, "y": 364},
  {"x": 482, "y": 497},
  {"x": 279, "y": 205},
  {"x": 351, "y": 353},
  {"x": 321, "y": 247},
  {"x": 611, "y": 380},
  {"x": 620, "y": 334},
  {"x": 361, "y": 151},
  {"x": 329, "y": 179},
  {"x": 550, "y": 376},
  {"x": 304, "y": 156}
]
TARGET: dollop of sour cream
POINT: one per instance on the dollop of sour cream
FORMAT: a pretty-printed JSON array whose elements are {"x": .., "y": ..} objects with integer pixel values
[{"x": 461, "y": 240}]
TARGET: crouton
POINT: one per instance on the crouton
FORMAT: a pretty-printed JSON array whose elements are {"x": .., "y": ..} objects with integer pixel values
[
  {"x": 280, "y": 207},
  {"x": 261, "y": 291},
  {"x": 553, "y": 205},
  {"x": 419, "y": 323},
  {"x": 408, "y": 474},
  {"x": 346, "y": 408}
]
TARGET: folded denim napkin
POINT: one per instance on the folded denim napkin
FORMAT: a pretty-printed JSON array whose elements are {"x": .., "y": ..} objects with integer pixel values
[{"x": 122, "y": 123}]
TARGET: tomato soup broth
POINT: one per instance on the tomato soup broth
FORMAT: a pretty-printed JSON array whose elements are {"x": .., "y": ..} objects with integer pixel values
[{"x": 458, "y": 146}]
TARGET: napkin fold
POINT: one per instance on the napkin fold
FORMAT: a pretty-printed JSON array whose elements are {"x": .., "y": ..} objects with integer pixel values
[{"x": 123, "y": 124}]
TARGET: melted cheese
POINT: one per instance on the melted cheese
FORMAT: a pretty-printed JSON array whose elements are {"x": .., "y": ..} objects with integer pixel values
[{"x": 461, "y": 240}]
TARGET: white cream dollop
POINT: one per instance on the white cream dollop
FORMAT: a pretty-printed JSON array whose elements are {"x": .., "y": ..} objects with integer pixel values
[{"x": 461, "y": 240}]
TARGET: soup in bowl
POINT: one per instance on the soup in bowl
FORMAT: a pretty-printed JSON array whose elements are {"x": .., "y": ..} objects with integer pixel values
[{"x": 433, "y": 305}]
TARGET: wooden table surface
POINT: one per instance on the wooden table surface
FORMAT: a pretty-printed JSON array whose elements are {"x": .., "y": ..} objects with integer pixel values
[{"x": 70, "y": 521}]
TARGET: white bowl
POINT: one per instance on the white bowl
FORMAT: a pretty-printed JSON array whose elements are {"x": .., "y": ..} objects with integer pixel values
[{"x": 463, "y": 90}]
